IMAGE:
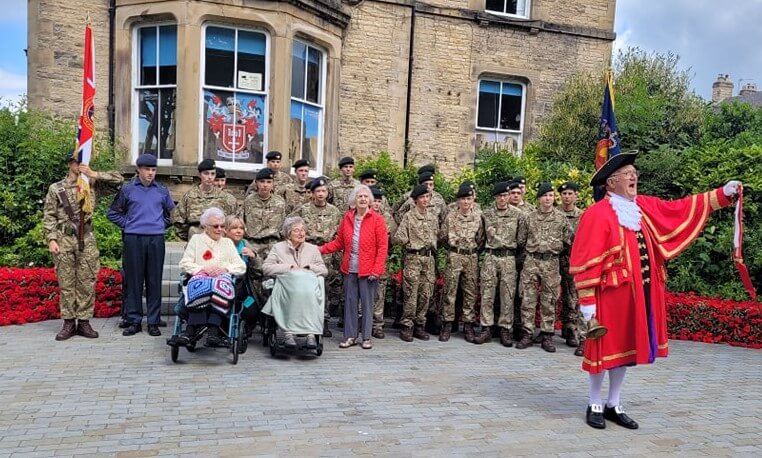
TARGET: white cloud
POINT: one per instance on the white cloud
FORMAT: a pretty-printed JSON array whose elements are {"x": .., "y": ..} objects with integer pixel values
[
  {"x": 14, "y": 11},
  {"x": 12, "y": 87},
  {"x": 622, "y": 41}
]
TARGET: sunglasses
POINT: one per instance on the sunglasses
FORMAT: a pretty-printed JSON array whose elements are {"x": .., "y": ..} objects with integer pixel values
[{"x": 217, "y": 226}]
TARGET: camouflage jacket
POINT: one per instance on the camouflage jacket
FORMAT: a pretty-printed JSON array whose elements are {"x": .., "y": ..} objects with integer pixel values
[
  {"x": 281, "y": 183},
  {"x": 525, "y": 207},
  {"x": 502, "y": 227},
  {"x": 463, "y": 231},
  {"x": 322, "y": 222},
  {"x": 417, "y": 231},
  {"x": 295, "y": 196},
  {"x": 437, "y": 205},
  {"x": 546, "y": 232},
  {"x": 186, "y": 216},
  {"x": 338, "y": 193},
  {"x": 572, "y": 217},
  {"x": 263, "y": 218},
  {"x": 55, "y": 222}
]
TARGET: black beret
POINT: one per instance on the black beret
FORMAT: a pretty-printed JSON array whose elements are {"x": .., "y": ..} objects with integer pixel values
[
  {"x": 206, "y": 164},
  {"x": 418, "y": 191},
  {"x": 544, "y": 188},
  {"x": 72, "y": 156},
  {"x": 346, "y": 161},
  {"x": 265, "y": 174},
  {"x": 511, "y": 185},
  {"x": 568, "y": 186},
  {"x": 500, "y": 188},
  {"x": 220, "y": 173},
  {"x": 425, "y": 176},
  {"x": 427, "y": 168},
  {"x": 465, "y": 190},
  {"x": 519, "y": 179},
  {"x": 146, "y": 160},
  {"x": 368, "y": 174},
  {"x": 317, "y": 182},
  {"x": 377, "y": 192},
  {"x": 273, "y": 155},
  {"x": 301, "y": 163}
]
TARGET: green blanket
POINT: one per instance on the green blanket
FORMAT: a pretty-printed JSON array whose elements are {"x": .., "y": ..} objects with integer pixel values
[{"x": 297, "y": 302}]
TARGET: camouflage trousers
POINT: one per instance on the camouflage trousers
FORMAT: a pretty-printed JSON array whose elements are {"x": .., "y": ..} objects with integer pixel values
[
  {"x": 543, "y": 275},
  {"x": 418, "y": 279},
  {"x": 462, "y": 271},
  {"x": 378, "y": 305},
  {"x": 77, "y": 272},
  {"x": 334, "y": 286},
  {"x": 498, "y": 274},
  {"x": 571, "y": 318}
]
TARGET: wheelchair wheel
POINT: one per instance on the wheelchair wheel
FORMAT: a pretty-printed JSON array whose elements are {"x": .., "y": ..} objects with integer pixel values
[
  {"x": 273, "y": 343},
  {"x": 243, "y": 341},
  {"x": 174, "y": 353},
  {"x": 234, "y": 348}
]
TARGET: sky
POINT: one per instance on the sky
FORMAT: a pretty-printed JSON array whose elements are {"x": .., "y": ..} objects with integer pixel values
[{"x": 709, "y": 38}]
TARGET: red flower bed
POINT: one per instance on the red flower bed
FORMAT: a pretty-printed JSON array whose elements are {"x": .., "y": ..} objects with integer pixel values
[{"x": 30, "y": 295}]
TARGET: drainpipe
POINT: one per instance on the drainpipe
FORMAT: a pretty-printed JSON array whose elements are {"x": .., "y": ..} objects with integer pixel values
[
  {"x": 111, "y": 40},
  {"x": 410, "y": 60}
]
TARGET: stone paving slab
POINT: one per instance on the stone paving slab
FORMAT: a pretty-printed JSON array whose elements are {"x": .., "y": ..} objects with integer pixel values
[{"x": 122, "y": 396}]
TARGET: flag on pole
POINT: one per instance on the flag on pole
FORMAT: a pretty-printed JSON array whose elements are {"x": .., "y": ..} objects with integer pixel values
[
  {"x": 608, "y": 133},
  {"x": 738, "y": 248},
  {"x": 86, "y": 128}
]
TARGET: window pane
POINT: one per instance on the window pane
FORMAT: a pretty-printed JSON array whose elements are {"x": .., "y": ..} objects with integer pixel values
[
  {"x": 148, "y": 122},
  {"x": 251, "y": 60},
  {"x": 233, "y": 127},
  {"x": 510, "y": 112},
  {"x": 147, "y": 37},
  {"x": 295, "y": 130},
  {"x": 496, "y": 5},
  {"x": 511, "y": 5},
  {"x": 168, "y": 54},
  {"x": 315, "y": 58},
  {"x": 220, "y": 44},
  {"x": 310, "y": 133},
  {"x": 297, "y": 70},
  {"x": 167, "y": 123},
  {"x": 488, "y": 104}
]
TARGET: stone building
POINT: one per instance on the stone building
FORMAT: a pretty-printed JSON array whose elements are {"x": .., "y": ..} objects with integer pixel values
[
  {"x": 231, "y": 79},
  {"x": 722, "y": 92}
]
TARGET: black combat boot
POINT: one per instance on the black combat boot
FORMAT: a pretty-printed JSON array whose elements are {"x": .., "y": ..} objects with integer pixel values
[
  {"x": 444, "y": 334},
  {"x": 468, "y": 332},
  {"x": 484, "y": 336}
]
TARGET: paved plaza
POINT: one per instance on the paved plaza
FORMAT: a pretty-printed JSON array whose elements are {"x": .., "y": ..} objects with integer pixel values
[{"x": 123, "y": 396}]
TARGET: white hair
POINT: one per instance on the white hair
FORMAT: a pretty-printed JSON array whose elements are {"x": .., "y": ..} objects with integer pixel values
[
  {"x": 209, "y": 213},
  {"x": 289, "y": 223},
  {"x": 352, "y": 199}
]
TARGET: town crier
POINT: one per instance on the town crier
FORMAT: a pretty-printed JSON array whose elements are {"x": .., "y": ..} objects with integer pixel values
[{"x": 618, "y": 261}]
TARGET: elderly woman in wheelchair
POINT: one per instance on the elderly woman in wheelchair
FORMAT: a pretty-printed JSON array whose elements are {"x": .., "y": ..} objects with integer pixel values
[
  {"x": 297, "y": 299},
  {"x": 212, "y": 262}
]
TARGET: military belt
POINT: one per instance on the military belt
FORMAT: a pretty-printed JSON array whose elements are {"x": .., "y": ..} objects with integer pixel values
[
  {"x": 544, "y": 256},
  {"x": 501, "y": 252},
  {"x": 421, "y": 252},
  {"x": 464, "y": 251}
]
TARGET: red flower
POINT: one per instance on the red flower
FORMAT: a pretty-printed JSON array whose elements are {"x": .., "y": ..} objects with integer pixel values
[{"x": 207, "y": 255}]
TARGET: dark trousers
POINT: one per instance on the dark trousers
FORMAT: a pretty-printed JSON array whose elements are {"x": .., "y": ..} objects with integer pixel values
[
  {"x": 203, "y": 317},
  {"x": 358, "y": 288},
  {"x": 143, "y": 262}
]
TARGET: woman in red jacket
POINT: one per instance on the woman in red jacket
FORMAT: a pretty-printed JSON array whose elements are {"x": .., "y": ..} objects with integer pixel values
[{"x": 363, "y": 238}]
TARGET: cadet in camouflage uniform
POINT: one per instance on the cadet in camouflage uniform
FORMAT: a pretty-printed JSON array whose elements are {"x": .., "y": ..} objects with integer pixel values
[
  {"x": 452, "y": 206},
  {"x": 281, "y": 181},
  {"x": 502, "y": 224},
  {"x": 571, "y": 319},
  {"x": 417, "y": 234},
  {"x": 437, "y": 204},
  {"x": 220, "y": 177},
  {"x": 186, "y": 216},
  {"x": 517, "y": 192},
  {"x": 369, "y": 179},
  {"x": 406, "y": 196},
  {"x": 339, "y": 189},
  {"x": 76, "y": 265},
  {"x": 547, "y": 234},
  {"x": 463, "y": 235},
  {"x": 296, "y": 194},
  {"x": 321, "y": 220},
  {"x": 263, "y": 214},
  {"x": 391, "y": 226}
]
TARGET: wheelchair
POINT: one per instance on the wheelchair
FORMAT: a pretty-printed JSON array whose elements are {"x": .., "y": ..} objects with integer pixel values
[
  {"x": 233, "y": 335},
  {"x": 274, "y": 337}
]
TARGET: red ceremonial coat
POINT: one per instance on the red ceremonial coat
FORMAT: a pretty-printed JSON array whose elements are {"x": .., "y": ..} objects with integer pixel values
[{"x": 605, "y": 263}]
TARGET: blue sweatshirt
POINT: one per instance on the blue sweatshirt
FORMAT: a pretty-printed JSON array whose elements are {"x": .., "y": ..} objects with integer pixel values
[{"x": 142, "y": 210}]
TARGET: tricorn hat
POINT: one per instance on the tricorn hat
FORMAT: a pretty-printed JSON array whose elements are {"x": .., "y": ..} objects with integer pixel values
[{"x": 612, "y": 165}]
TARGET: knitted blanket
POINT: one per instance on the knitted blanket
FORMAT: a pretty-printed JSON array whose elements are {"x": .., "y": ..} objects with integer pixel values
[{"x": 204, "y": 291}]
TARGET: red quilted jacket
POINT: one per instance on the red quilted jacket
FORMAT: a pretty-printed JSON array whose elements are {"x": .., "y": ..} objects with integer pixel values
[{"x": 374, "y": 240}]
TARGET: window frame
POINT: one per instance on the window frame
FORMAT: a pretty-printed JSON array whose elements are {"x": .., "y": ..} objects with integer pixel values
[
  {"x": 247, "y": 167},
  {"x": 497, "y": 130},
  {"x": 135, "y": 102},
  {"x": 526, "y": 15},
  {"x": 317, "y": 168}
]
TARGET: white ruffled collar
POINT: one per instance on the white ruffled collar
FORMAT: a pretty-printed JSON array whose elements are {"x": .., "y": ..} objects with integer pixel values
[{"x": 627, "y": 211}]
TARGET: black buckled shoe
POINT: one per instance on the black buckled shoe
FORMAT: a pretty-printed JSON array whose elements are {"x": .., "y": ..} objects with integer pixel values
[
  {"x": 617, "y": 415},
  {"x": 594, "y": 416}
]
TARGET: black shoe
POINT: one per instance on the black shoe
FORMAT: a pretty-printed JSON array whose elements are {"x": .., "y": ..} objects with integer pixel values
[
  {"x": 132, "y": 330},
  {"x": 124, "y": 324},
  {"x": 162, "y": 323},
  {"x": 594, "y": 418},
  {"x": 180, "y": 340},
  {"x": 326, "y": 332},
  {"x": 617, "y": 415},
  {"x": 153, "y": 330}
]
